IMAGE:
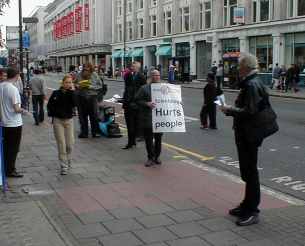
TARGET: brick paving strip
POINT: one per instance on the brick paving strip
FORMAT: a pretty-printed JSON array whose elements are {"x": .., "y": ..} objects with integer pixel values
[{"x": 110, "y": 199}]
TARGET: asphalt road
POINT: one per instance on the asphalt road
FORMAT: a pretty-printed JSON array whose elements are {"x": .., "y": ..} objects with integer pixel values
[{"x": 282, "y": 155}]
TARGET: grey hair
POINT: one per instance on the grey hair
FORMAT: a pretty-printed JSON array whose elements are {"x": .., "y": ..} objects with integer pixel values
[
  {"x": 155, "y": 71},
  {"x": 249, "y": 61}
]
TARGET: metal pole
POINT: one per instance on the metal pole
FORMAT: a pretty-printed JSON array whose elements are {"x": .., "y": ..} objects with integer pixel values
[
  {"x": 124, "y": 33},
  {"x": 20, "y": 43}
]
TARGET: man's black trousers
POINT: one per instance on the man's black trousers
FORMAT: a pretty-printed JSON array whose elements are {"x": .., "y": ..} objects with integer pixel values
[
  {"x": 153, "y": 142},
  {"x": 87, "y": 107},
  {"x": 247, "y": 154},
  {"x": 11, "y": 144},
  {"x": 208, "y": 110},
  {"x": 132, "y": 125},
  {"x": 38, "y": 111}
]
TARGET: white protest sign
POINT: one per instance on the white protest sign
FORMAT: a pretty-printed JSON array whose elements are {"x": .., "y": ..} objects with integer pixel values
[
  {"x": 1, "y": 160},
  {"x": 168, "y": 115}
]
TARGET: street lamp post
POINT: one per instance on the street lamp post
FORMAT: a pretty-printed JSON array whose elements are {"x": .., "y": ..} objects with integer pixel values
[
  {"x": 20, "y": 43},
  {"x": 124, "y": 33}
]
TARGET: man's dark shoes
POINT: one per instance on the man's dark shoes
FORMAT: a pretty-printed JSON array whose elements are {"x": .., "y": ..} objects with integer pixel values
[
  {"x": 157, "y": 161},
  {"x": 129, "y": 146},
  {"x": 96, "y": 135},
  {"x": 238, "y": 211},
  {"x": 15, "y": 174},
  {"x": 82, "y": 136},
  {"x": 149, "y": 163},
  {"x": 247, "y": 220}
]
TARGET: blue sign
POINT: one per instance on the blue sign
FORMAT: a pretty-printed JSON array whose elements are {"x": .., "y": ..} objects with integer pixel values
[
  {"x": 26, "y": 40},
  {"x": 239, "y": 15},
  {"x": 2, "y": 173}
]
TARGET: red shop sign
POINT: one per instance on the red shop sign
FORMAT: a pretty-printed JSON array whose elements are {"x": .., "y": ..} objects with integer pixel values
[{"x": 78, "y": 19}]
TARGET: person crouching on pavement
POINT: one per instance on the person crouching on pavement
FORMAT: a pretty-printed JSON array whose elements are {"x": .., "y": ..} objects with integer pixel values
[
  {"x": 209, "y": 106},
  {"x": 61, "y": 107},
  {"x": 249, "y": 102},
  {"x": 153, "y": 141}
]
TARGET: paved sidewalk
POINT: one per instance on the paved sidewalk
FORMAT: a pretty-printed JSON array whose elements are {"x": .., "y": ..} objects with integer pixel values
[{"x": 110, "y": 199}]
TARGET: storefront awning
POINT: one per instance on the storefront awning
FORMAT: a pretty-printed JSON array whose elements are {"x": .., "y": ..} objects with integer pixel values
[
  {"x": 165, "y": 50},
  {"x": 128, "y": 53},
  {"x": 117, "y": 54},
  {"x": 138, "y": 52}
]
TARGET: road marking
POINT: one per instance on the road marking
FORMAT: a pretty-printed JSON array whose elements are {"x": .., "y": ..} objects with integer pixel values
[
  {"x": 179, "y": 157},
  {"x": 296, "y": 147},
  {"x": 295, "y": 185},
  {"x": 190, "y": 119},
  {"x": 228, "y": 161},
  {"x": 199, "y": 156}
]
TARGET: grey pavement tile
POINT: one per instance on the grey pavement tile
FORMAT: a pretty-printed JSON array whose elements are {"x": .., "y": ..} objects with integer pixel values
[
  {"x": 205, "y": 212},
  {"x": 110, "y": 180},
  {"x": 157, "y": 244},
  {"x": 118, "y": 226},
  {"x": 126, "y": 239},
  {"x": 70, "y": 220},
  {"x": 188, "y": 229},
  {"x": 217, "y": 224},
  {"x": 184, "y": 204},
  {"x": 191, "y": 241},
  {"x": 224, "y": 238},
  {"x": 88, "y": 181},
  {"x": 88, "y": 242},
  {"x": 264, "y": 242},
  {"x": 126, "y": 213},
  {"x": 88, "y": 231},
  {"x": 184, "y": 216},
  {"x": 159, "y": 208},
  {"x": 95, "y": 217},
  {"x": 155, "y": 235},
  {"x": 155, "y": 220}
]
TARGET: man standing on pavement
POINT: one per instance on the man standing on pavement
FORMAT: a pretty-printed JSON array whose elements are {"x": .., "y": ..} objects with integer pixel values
[
  {"x": 251, "y": 99},
  {"x": 11, "y": 122},
  {"x": 153, "y": 141},
  {"x": 276, "y": 73},
  {"x": 39, "y": 91},
  {"x": 133, "y": 82}
]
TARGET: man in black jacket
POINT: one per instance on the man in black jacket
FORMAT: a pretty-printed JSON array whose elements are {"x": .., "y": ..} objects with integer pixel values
[
  {"x": 153, "y": 141},
  {"x": 247, "y": 105},
  {"x": 133, "y": 81},
  {"x": 209, "y": 107}
]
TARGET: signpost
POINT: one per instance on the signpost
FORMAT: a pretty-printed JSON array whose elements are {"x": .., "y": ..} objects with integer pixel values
[
  {"x": 168, "y": 115},
  {"x": 28, "y": 20},
  {"x": 239, "y": 15}
]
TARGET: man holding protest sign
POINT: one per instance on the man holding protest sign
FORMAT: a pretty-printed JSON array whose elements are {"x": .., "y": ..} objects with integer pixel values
[{"x": 162, "y": 111}]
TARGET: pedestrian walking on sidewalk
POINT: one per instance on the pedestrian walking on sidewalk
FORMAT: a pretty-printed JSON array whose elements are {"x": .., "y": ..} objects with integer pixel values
[
  {"x": 276, "y": 73},
  {"x": 153, "y": 141},
  {"x": 60, "y": 107},
  {"x": 38, "y": 90},
  {"x": 208, "y": 109},
  {"x": 252, "y": 100},
  {"x": 11, "y": 121}
]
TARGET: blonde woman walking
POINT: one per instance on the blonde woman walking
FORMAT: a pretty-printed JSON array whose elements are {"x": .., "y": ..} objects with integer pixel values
[{"x": 60, "y": 107}]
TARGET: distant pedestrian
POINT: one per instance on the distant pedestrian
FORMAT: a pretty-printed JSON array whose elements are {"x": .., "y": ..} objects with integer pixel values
[
  {"x": 290, "y": 77},
  {"x": 276, "y": 73},
  {"x": 208, "y": 109},
  {"x": 296, "y": 78},
  {"x": 153, "y": 141},
  {"x": 251, "y": 126},
  {"x": 11, "y": 122},
  {"x": 38, "y": 90},
  {"x": 214, "y": 68},
  {"x": 282, "y": 78},
  {"x": 219, "y": 78},
  {"x": 61, "y": 107}
]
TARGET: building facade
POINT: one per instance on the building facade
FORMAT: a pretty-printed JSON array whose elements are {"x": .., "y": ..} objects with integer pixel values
[
  {"x": 77, "y": 32},
  {"x": 192, "y": 34},
  {"x": 37, "y": 41}
]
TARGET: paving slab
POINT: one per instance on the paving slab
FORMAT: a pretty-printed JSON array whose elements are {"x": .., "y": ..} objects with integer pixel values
[
  {"x": 191, "y": 241},
  {"x": 126, "y": 239},
  {"x": 188, "y": 229},
  {"x": 155, "y": 235},
  {"x": 88, "y": 231},
  {"x": 184, "y": 216},
  {"x": 123, "y": 225},
  {"x": 155, "y": 220}
]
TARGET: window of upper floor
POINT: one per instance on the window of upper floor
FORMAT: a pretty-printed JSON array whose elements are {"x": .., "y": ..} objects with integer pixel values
[
  {"x": 140, "y": 4},
  {"x": 295, "y": 8},
  {"x": 228, "y": 12},
  {"x": 119, "y": 32},
  {"x": 140, "y": 23},
  {"x": 129, "y": 6},
  {"x": 153, "y": 3},
  {"x": 184, "y": 13},
  {"x": 153, "y": 25},
  {"x": 262, "y": 10},
  {"x": 129, "y": 30},
  {"x": 168, "y": 22},
  {"x": 119, "y": 7},
  {"x": 205, "y": 13}
]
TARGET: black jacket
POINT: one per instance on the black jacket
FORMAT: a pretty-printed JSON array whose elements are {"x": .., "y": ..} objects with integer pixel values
[
  {"x": 250, "y": 101},
  {"x": 61, "y": 104},
  {"x": 132, "y": 85},
  {"x": 143, "y": 96},
  {"x": 209, "y": 93}
]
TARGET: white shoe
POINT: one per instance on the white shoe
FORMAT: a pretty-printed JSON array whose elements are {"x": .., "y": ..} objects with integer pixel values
[{"x": 63, "y": 172}]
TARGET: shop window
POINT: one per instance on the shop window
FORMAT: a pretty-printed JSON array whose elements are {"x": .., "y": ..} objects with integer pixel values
[
  {"x": 295, "y": 49},
  {"x": 301, "y": 7},
  {"x": 262, "y": 48},
  {"x": 230, "y": 45}
]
